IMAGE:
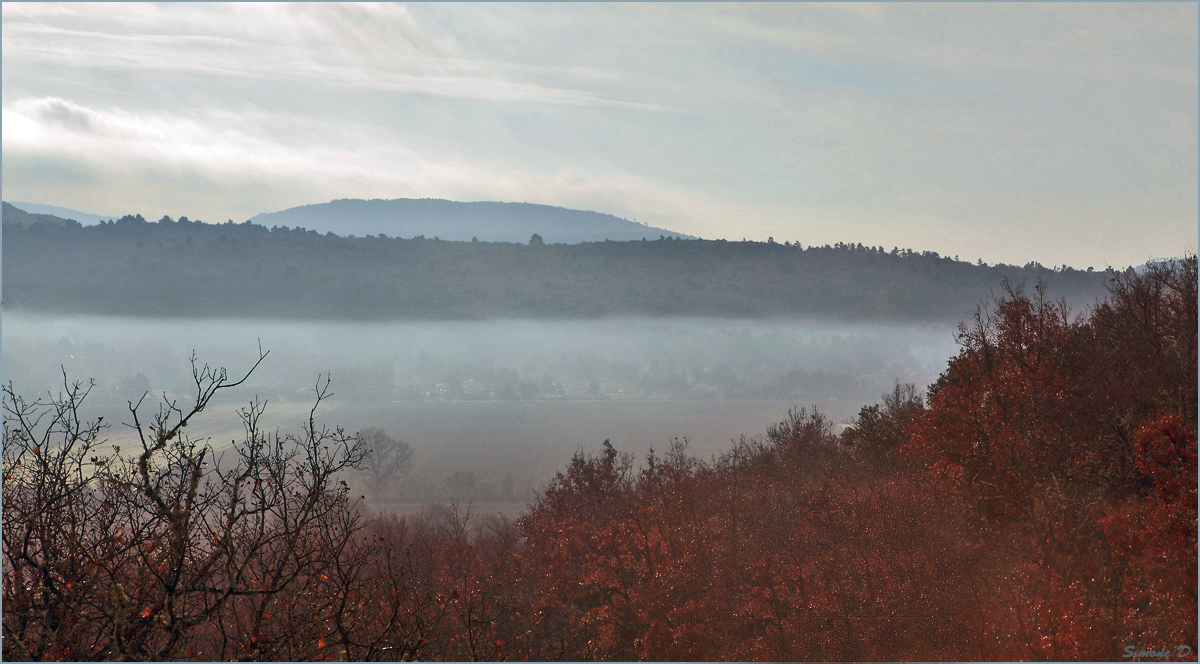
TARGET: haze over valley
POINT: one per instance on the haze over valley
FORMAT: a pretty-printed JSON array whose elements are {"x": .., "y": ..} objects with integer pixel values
[
  {"x": 496, "y": 361},
  {"x": 496, "y": 397},
  {"x": 599, "y": 331}
]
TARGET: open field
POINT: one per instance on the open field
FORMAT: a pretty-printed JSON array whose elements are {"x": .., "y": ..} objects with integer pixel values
[
  {"x": 528, "y": 441},
  {"x": 492, "y": 409}
]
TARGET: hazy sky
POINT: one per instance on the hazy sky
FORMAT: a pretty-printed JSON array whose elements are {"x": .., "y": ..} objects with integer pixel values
[{"x": 1062, "y": 133}]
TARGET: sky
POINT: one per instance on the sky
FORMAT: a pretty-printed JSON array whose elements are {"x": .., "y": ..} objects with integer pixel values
[{"x": 1058, "y": 133}]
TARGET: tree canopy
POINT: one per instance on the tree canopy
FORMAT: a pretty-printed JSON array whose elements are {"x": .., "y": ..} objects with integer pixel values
[
  {"x": 191, "y": 269},
  {"x": 1039, "y": 504}
]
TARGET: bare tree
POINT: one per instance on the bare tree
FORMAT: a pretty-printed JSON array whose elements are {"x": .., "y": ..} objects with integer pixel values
[
  {"x": 387, "y": 458},
  {"x": 170, "y": 552}
]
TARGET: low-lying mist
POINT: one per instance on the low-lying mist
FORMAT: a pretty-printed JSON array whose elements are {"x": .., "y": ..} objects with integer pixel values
[{"x": 491, "y": 409}]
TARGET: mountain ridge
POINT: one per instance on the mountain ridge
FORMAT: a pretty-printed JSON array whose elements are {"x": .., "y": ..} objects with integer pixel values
[
  {"x": 486, "y": 221},
  {"x": 61, "y": 212},
  {"x": 13, "y": 215}
]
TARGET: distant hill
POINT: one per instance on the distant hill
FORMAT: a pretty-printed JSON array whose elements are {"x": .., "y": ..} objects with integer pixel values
[
  {"x": 60, "y": 212},
  {"x": 192, "y": 269},
  {"x": 13, "y": 215},
  {"x": 451, "y": 220}
]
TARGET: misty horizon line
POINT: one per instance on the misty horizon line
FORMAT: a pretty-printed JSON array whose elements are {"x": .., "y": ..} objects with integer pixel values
[
  {"x": 113, "y": 217},
  {"x": 675, "y": 237}
]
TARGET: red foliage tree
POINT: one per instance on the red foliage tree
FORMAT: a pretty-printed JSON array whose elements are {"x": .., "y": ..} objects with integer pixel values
[{"x": 1041, "y": 505}]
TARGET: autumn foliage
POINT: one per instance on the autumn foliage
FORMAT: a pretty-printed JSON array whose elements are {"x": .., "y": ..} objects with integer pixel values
[{"x": 1038, "y": 503}]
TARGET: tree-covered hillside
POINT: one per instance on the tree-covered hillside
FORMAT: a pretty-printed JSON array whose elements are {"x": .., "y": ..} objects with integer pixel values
[{"x": 186, "y": 268}]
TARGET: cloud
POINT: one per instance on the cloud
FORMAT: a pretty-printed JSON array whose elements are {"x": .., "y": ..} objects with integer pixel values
[
  {"x": 216, "y": 164},
  {"x": 1088, "y": 40},
  {"x": 226, "y": 165},
  {"x": 360, "y": 47},
  {"x": 64, "y": 114},
  {"x": 1010, "y": 126}
]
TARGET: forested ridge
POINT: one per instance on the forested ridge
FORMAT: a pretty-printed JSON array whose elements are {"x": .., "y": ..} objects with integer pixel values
[
  {"x": 1038, "y": 503},
  {"x": 190, "y": 269}
]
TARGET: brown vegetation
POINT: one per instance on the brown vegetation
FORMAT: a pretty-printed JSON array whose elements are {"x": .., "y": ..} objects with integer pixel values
[{"x": 1039, "y": 504}]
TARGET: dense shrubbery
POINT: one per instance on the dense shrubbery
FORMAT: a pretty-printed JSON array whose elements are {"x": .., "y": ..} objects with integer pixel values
[{"x": 1041, "y": 504}]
